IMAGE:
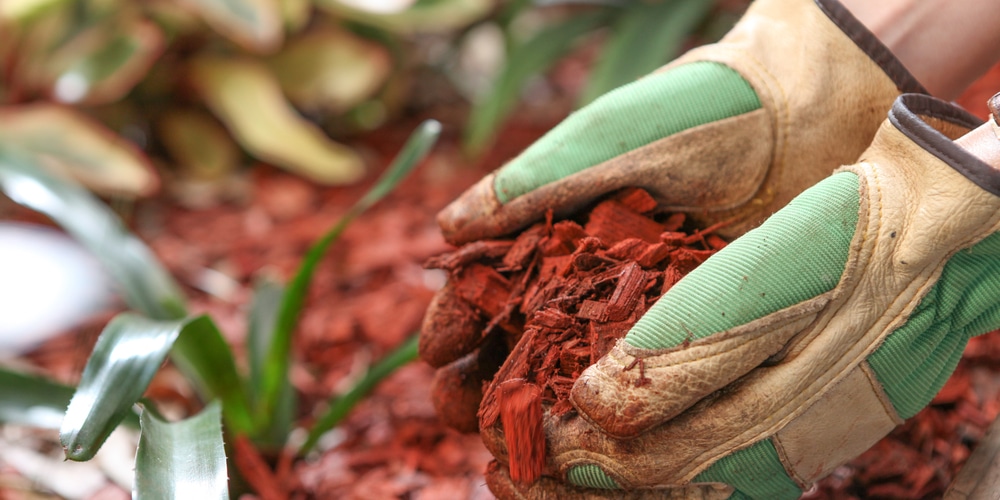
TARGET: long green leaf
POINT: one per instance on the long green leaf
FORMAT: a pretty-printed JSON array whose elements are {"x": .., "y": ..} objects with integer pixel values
[
  {"x": 275, "y": 370},
  {"x": 181, "y": 460},
  {"x": 342, "y": 405},
  {"x": 206, "y": 359},
  {"x": 30, "y": 400},
  {"x": 525, "y": 60},
  {"x": 127, "y": 355},
  {"x": 146, "y": 286},
  {"x": 264, "y": 309},
  {"x": 646, "y": 36}
]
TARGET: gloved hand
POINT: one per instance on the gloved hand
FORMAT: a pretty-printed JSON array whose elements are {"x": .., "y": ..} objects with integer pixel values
[
  {"x": 728, "y": 132},
  {"x": 803, "y": 342}
]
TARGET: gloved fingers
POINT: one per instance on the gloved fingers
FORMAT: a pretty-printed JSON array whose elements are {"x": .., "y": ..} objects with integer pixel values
[
  {"x": 691, "y": 149},
  {"x": 739, "y": 308},
  {"x": 547, "y": 488},
  {"x": 451, "y": 328},
  {"x": 457, "y": 388}
]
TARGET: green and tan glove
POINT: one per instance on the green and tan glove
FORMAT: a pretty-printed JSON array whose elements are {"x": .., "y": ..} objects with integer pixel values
[
  {"x": 804, "y": 341},
  {"x": 728, "y": 132}
]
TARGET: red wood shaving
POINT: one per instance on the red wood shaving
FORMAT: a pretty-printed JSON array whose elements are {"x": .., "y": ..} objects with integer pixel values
[{"x": 521, "y": 417}]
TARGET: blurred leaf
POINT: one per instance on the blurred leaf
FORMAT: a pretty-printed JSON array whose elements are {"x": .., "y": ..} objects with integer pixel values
[
  {"x": 248, "y": 99},
  {"x": 181, "y": 460},
  {"x": 206, "y": 359},
  {"x": 264, "y": 310},
  {"x": 524, "y": 61},
  {"x": 438, "y": 16},
  {"x": 341, "y": 405},
  {"x": 103, "y": 63},
  {"x": 144, "y": 284},
  {"x": 200, "y": 146},
  {"x": 30, "y": 400},
  {"x": 255, "y": 25},
  {"x": 128, "y": 353},
  {"x": 296, "y": 14},
  {"x": 21, "y": 11},
  {"x": 67, "y": 143},
  {"x": 278, "y": 357},
  {"x": 331, "y": 70},
  {"x": 645, "y": 37}
]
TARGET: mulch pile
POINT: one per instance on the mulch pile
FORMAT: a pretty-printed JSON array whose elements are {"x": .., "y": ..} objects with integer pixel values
[{"x": 563, "y": 293}]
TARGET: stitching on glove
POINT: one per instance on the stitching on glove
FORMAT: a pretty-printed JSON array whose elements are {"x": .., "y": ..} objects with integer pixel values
[{"x": 880, "y": 392}]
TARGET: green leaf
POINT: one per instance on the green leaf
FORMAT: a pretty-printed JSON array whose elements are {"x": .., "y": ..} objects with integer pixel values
[
  {"x": 127, "y": 355},
  {"x": 441, "y": 16},
  {"x": 205, "y": 358},
  {"x": 342, "y": 405},
  {"x": 646, "y": 36},
  {"x": 524, "y": 61},
  {"x": 145, "y": 284},
  {"x": 256, "y": 25},
  {"x": 30, "y": 400},
  {"x": 102, "y": 64},
  {"x": 68, "y": 144},
  {"x": 181, "y": 460},
  {"x": 246, "y": 96},
  {"x": 264, "y": 308},
  {"x": 276, "y": 366},
  {"x": 263, "y": 318}
]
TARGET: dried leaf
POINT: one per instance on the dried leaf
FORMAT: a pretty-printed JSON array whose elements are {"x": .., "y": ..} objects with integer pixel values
[
  {"x": 71, "y": 145},
  {"x": 331, "y": 70},
  {"x": 200, "y": 146},
  {"x": 247, "y": 98}
]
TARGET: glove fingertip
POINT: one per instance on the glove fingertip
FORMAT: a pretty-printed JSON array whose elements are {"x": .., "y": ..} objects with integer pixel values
[
  {"x": 451, "y": 329},
  {"x": 468, "y": 217}
]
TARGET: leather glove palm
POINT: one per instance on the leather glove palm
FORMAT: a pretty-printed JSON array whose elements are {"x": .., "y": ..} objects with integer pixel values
[{"x": 811, "y": 337}]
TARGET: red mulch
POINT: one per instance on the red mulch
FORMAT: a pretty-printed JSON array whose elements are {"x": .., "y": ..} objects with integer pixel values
[{"x": 370, "y": 293}]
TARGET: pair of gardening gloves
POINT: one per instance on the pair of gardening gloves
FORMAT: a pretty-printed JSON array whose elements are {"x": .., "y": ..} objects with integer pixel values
[{"x": 808, "y": 338}]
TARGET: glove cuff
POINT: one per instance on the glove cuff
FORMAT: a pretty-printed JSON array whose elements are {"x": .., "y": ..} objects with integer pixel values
[{"x": 871, "y": 45}]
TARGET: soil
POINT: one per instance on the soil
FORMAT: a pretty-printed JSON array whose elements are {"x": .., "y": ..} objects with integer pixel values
[{"x": 370, "y": 294}]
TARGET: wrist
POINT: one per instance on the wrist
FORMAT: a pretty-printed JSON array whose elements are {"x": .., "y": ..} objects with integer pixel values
[{"x": 922, "y": 35}]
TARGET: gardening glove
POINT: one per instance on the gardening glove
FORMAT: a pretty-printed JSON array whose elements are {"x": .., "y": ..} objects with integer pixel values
[
  {"x": 728, "y": 132},
  {"x": 803, "y": 342}
]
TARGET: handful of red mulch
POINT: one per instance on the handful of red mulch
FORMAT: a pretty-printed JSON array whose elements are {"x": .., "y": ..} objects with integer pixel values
[{"x": 562, "y": 293}]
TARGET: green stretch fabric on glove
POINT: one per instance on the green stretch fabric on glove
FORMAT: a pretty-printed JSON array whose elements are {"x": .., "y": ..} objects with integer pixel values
[
  {"x": 763, "y": 271},
  {"x": 916, "y": 360},
  {"x": 755, "y": 472},
  {"x": 629, "y": 117}
]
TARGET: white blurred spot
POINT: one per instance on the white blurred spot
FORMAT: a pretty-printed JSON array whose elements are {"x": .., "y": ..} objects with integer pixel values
[
  {"x": 379, "y": 6},
  {"x": 71, "y": 87},
  {"x": 434, "y": 279},
  {"x": 48, "y": 283}
]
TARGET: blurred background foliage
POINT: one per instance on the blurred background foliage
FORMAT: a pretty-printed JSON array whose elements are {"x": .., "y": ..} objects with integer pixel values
[
  {"x": 130, "y": 98},
  {"x": 126, "y": 96}
]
